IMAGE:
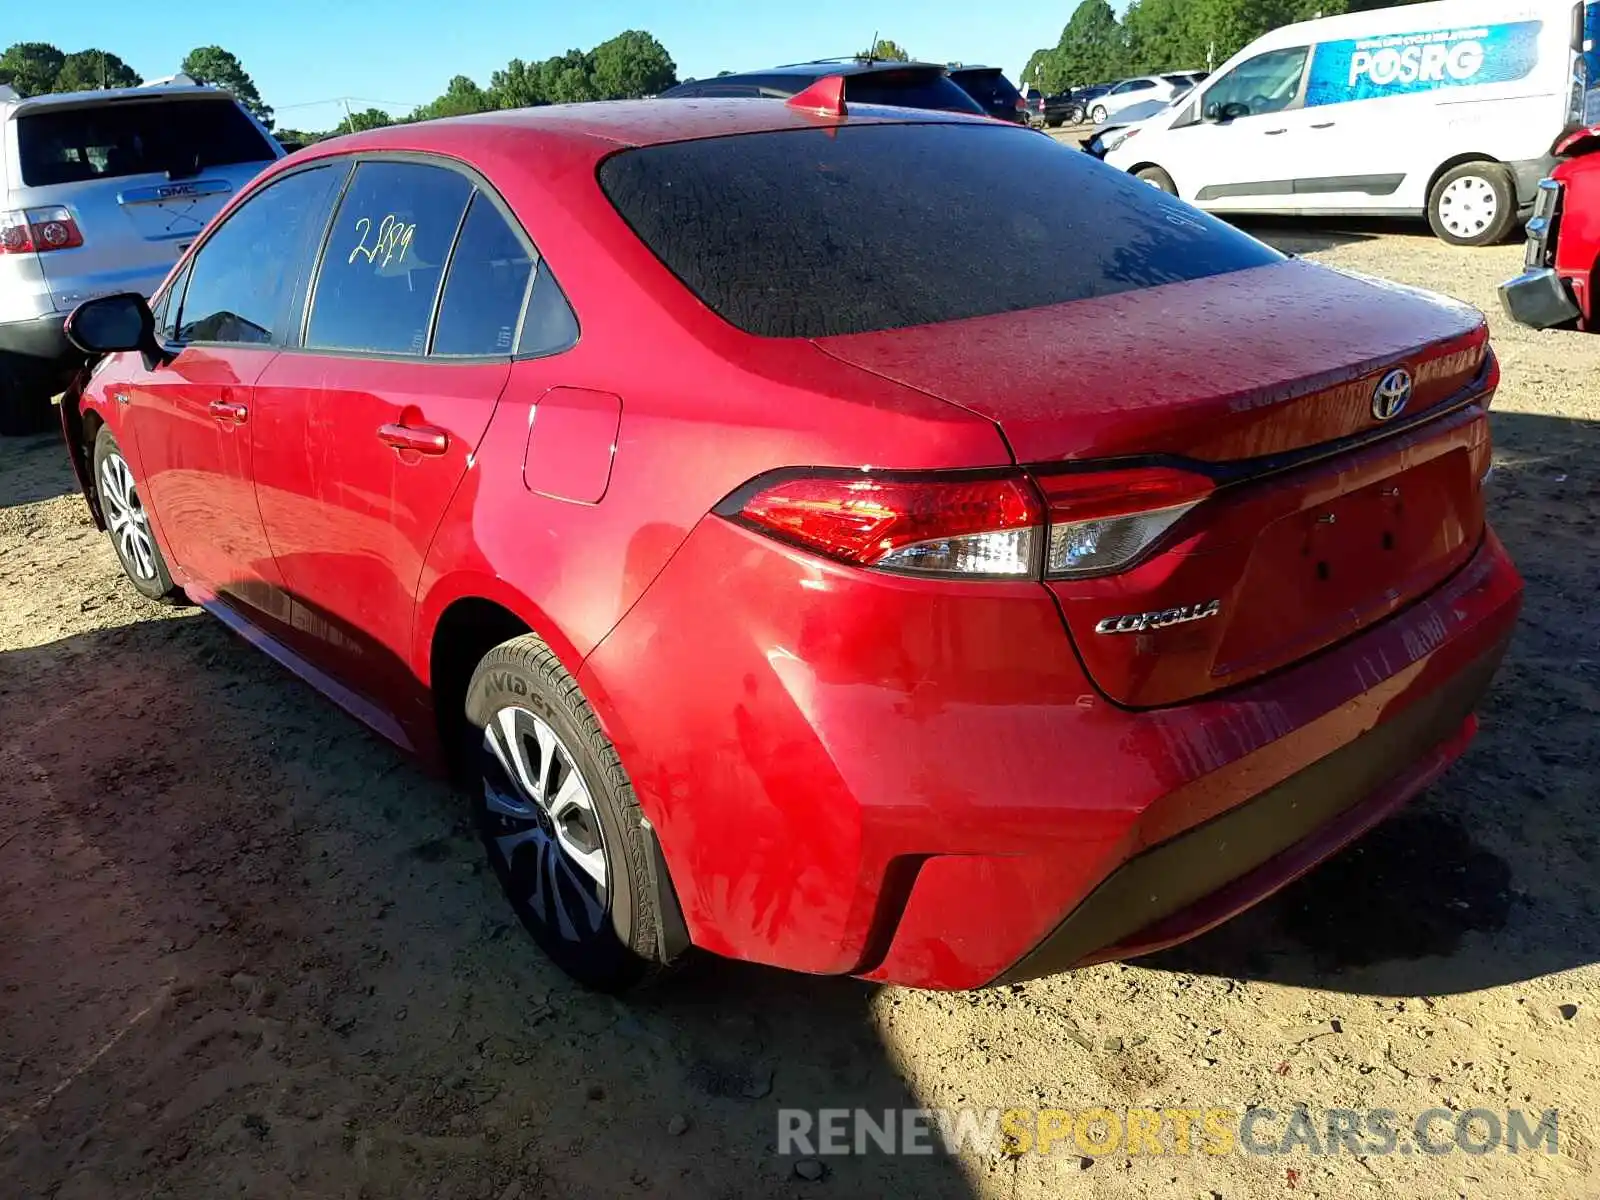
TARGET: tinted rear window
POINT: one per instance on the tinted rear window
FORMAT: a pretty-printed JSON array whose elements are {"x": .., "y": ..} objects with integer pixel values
[
  {"x": 989, "y": 88},
  {"x": 812, "y": 233},
  {"x": 908, "y": 89},
  {"x": 136, "y": 137}
]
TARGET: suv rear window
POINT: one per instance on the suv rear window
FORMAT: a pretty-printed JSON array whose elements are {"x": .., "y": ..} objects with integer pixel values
[
  {"x": 811, "y": 233},
  {"x": 910, "y": 88},
  {"x": 136, "y": 137},
  {"x": 989, "y": 88}
]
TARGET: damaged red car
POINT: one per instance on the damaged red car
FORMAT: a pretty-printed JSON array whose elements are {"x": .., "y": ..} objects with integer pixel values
[{"x": 804, "y": 548}]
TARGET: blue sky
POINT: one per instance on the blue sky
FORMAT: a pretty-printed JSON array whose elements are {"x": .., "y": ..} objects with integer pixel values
[{"x": 404, "y": 51}]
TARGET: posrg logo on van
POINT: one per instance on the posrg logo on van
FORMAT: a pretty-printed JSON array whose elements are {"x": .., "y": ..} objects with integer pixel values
[{"x": 1419, "y": 58}]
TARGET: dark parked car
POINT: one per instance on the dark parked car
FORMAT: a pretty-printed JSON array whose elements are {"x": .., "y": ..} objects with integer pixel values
[
  {"x": 995, "y": 94},
  {"x": 1043, "y": 111},
  {"x": 1083, "y": 97},
  {"x": 906, "y": 85}
]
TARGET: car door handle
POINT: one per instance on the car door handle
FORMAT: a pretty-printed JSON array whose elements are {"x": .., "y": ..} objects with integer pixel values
[
  {"x": 1325, "y": 125},
  {"x": 1275, "y": 132},
  {"x": 226, "y": 410},
  {"x": 422, "y": 439}
]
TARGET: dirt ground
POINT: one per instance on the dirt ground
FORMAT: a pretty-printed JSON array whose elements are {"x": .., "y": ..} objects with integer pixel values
[{"x": 247, "y": 950}]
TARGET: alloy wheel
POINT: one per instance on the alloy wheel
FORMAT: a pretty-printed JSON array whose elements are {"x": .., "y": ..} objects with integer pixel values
[
  {"x": 126, "y": 518},
  {"x": 543, "y": 823}
]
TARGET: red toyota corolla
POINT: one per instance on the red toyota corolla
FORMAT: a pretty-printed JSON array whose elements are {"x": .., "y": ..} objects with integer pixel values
[{"x": 882, "y": 543}]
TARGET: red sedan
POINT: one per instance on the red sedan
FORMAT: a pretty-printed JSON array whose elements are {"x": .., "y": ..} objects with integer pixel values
[{"x": 882, "y": 543}]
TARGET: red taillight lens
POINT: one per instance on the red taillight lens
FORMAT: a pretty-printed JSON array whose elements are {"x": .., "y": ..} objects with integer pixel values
[
  {"x": 38, "y": 230},
  {"x": 1101, "y": 521},
  {"x": 969, "y": 527}
]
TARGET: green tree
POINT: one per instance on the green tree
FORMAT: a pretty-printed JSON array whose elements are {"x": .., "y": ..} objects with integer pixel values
[
  {"x": 461, "y": 98},
  {"x": 31, "y": 67},
  {"x": 90, "y": 69},
  {"x": 360, "y": 122},
  {"x": 886, "y": 51},
  {"x": 214, "y": 65},
  {"x": 517, "y": 86},
  {"x": 631, "y": 65},
  {"x": 568, "y": 78}
]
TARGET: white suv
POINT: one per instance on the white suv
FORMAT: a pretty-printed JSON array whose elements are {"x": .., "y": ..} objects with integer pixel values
[{"x": 101, "y": 192}]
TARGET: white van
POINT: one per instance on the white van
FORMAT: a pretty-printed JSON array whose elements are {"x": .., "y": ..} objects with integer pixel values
[{"x": 1447, "y": 108}]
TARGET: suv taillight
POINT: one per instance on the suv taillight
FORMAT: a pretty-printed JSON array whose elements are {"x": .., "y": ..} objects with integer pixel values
[
  {"x": 38, "y": 230},
  {"x": 1009, "y": 525}
]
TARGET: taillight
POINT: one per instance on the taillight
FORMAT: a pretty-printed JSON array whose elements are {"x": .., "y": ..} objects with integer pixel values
[
  {"x": 38, "y": 230},
  {"x": 984, "y": 527},
  {"x": 1089, "y": 522},
  {"x": 1101, "y": 521}
]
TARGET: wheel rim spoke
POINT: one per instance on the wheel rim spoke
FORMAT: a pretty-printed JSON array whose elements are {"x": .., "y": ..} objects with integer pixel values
[{"x": 544, "y": 824}]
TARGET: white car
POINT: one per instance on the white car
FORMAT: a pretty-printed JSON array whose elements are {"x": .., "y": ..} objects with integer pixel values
[{"x": 1164, "y": 88}]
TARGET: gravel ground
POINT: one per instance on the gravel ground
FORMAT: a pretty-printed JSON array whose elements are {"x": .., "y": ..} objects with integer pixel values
[{"x": 246, "y": 950}]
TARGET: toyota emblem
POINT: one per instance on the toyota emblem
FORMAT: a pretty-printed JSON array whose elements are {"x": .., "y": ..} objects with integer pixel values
[{"x": 1392, "y": 395}]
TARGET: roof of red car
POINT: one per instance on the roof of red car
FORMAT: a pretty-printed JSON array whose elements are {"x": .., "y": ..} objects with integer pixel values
[{"x": 628, "y": 123}]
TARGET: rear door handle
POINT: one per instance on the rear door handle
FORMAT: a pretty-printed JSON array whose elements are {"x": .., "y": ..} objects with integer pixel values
[
  {"x": 422, "y": 439},
  {"x": 1275, "y": 132},
  {"x": 226, "y": 410},
  {"x": 1325, "y": 125}
]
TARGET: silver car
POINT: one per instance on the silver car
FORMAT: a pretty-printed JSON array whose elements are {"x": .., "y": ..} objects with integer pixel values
[{"x": 102, "y": 192}]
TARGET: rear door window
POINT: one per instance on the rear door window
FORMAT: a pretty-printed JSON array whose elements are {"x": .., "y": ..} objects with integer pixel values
[
  {"x": 179, "y": 138},
  {"x": 489, "y": 274},
  {"x": 385, "y": 259},
  {"x": 809, "y": 233},
  {"x": 240, "y": 279}
]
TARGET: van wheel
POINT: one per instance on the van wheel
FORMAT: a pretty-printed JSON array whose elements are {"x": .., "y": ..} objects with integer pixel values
[
  {"x": 1474, "y": 204},
  {"x": 1157, "y": 178}
]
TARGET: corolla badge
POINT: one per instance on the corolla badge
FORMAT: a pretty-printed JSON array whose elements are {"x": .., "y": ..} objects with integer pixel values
[
  {"x": 1392, "y": 394},
  {"x": 1161, "y": 619}
]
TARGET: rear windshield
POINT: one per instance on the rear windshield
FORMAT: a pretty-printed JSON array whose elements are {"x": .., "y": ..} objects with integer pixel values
[
  {"x": 136, "y": 137},
  {"x": 810, "y": 233},
  {"x": 989, "y": 88},
  {"x": 909, "y": 89}
]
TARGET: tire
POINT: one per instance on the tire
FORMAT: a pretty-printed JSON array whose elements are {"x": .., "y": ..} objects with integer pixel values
[
  {"x": 1075, "y": 115},
  {"x": 128, "y": 524},
  {"x": 576, "y": 871},
  {"x": 1157, "y": 178},
  {"x": 1474, "y": 204},
  {"x": 24, "y": 401},
  {"x": 1098, "y": 114}
]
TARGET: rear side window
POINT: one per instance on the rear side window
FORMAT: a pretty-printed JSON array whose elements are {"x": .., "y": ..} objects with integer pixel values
[
  {"x": 489, "y": 275},
  {"x": 140, "y": 137},
  {"x": 385, "y": 258},
  {"x": 812, "y": 233},
  {"x": 909, "y": 89},
  {"x": 239, "y": 280}
]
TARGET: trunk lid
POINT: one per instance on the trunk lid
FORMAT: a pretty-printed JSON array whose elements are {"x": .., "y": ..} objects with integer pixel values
[{"x": 1265, "y": 380}]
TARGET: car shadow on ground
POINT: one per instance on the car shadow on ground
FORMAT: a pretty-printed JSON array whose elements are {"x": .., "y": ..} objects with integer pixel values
[
  {"x": 317, "y": 983},
  {"x": 1493, "y": 876},
  {"x": 1302, "y": 235},
  {"x": 33, "y": 468}
]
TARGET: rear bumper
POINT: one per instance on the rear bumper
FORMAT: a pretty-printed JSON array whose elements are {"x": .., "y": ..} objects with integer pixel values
[
  {"x": 915, "y": 783},
  {"x": 40, "y": 338},
  {"x": 1200, "y": 878}
]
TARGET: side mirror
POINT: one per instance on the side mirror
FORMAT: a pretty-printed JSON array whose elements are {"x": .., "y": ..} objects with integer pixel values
[
  {"x": 1223, "y": 113},
  {"x": 113, "y": 324},
  {"x": 1213, "y": 112}
]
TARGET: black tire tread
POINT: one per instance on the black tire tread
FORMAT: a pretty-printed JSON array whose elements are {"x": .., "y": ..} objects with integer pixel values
[{"x": 533, "y": 654}]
